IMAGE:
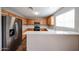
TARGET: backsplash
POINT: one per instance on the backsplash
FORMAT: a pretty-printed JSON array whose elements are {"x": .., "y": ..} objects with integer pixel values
[{"x": 24, "y": 27}]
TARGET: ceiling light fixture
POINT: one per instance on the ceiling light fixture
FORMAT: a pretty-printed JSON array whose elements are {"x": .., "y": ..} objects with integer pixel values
[{"x": 36, "y": 13}]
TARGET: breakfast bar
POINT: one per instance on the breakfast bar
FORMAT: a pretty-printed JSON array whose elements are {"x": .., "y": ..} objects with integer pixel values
[{"x": 52, "y": 41}]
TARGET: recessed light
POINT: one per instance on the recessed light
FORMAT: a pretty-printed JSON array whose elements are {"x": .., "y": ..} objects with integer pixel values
[{"x": 36, "y": 13}]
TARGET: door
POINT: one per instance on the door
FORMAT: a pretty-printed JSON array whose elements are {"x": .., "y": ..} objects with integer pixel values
[{"x": 17, "y": 37}]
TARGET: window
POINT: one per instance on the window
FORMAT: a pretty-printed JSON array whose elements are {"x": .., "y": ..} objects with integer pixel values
[{"x": 66, "y": 20}]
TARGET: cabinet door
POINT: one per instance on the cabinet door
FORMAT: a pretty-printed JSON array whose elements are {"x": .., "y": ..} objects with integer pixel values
[
  {"x": 51, "y": 21},
  {"x": 41, "y": 21},
  {"x": 24, "y": 21},
  {"x": 30, "y": 22}
]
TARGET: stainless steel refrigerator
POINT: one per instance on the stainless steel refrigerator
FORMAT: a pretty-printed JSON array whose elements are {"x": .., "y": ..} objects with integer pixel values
[{"x": 11, "y": 33}]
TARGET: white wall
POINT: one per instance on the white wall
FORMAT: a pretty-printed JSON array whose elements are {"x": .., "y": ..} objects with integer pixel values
[
  {"x": 77, "y": 18},
  {"x": 52, "y": 42},
  {"x": 0, "y": 31}
]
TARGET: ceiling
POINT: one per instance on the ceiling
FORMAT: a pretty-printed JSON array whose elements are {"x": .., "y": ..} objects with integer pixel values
[{"x": 29, "y": 12}]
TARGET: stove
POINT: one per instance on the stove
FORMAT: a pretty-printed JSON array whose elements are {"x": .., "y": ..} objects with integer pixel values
[{"x": 36, "y": 26}]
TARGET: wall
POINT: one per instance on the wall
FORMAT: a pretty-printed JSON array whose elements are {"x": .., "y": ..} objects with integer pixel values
[
  {"x": 64, "y": 10},
  {"x": 0, "y": 31},
  {"x": 77, "y": 18},
  {"x": 52, "y": 42}
]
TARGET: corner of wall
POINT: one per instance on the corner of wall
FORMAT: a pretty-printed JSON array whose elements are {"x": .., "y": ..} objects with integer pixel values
[{"x": 0, "y": 31}]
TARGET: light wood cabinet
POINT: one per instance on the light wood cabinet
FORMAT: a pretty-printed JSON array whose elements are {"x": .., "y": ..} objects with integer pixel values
[
  {"x": 41, "y": 21},
  {"x": 51, "y": 21},
  {"x": 24, "y": 21},
  {"x": 30, "y": 22}
]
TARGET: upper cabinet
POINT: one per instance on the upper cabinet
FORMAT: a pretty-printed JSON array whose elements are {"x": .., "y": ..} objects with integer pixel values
[
  {"x": 51, "y": 21},
  {"x": 30, "y": 22},
  {"x": 24, "y": 21},
  {"x": 41, "y": 21}
]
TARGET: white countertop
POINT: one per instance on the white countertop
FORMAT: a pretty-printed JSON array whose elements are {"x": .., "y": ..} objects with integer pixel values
[{"x": 51, "y": 32}]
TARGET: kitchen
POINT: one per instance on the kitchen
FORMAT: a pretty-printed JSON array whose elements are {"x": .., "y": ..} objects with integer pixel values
[{"x": 39, "y": 23}]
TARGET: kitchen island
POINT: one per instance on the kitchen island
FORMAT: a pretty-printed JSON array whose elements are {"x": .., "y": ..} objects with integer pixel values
[{"x": 52, "y": 41}]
